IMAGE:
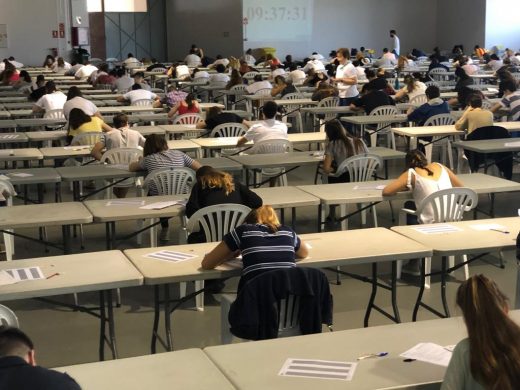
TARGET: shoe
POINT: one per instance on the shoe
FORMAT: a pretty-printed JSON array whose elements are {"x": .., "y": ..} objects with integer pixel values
[
  {"x": 412, "y": 268},
  {"x": 164, "y": 235}
]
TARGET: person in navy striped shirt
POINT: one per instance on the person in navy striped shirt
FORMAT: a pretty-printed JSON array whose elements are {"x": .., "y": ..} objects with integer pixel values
[{"x": 264, "y": 243}]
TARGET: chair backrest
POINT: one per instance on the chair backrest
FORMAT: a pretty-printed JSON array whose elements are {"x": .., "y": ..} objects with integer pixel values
[
  {"x": 7, "y": 317},
  {"x": 218, "y": 220},
  {"x": 438, "y": 74},
  {"x": 112, "y": 59},
  {"x": 54, "y": 114},
  {"x": 440, "y": 120},
  {"x": 159, "y": 70},
  {"x": 218, "y": 84},
  {"x": 292, "y": 96},
  {"x": 271, "y": 146},
  {"x": 200, "y": 80},
  {"x": 121, "y": 155},
  {"x": 171, "y": 181},
  {"x": 298, "y": 81},
  {"x": 239, "y": 89},
  {"x": 90, "y": 138},
  {"x": 449, "y": 205},
  {"x": 142, "y": 102},
  {"x": 264, "y": 92},
  {"x": 438, "y": 71},
  {"x": 229, "y": 130},
  {"x": 188, "y": 119},
  {"x": 418, "y": 100},
  {"x": 249, "y": 75},
  {"x": 383, "y": 128},
  {"x": 7, "y": 191},
  {"x": 104, "y": 86},
  {"x": 361, "y": 167},
  {"x": 331, "y": 101},
  {"x": 486, "y": 104}
]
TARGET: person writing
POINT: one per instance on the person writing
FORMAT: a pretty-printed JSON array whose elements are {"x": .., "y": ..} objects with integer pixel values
[
  {"x": 265, "y": 244},
  {"x": 490, "y": 357}
]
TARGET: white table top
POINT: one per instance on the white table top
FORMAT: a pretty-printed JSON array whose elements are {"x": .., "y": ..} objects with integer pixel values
[
  {"x": 7, "y": 124},
  {"x": 357, "y": 248},
  {"x": 21, "y": 154},
  {"x": 9, "y": 138},
  {"x": 28, "y": 122},
  {"x": 274, "y": 160},
  {"x": 47, "y": 214},
  {"x": 38, "y": 175},
  {"x": 468, "y": 239},
  {"x": 231, "y": 142},
  {"x": 38, "y": 136},
  {"x": 186, "y": 369},
  {"x": 490, "y": 145},
  {"x": 375, "y": 119},
  {"x": 117, "y": 109},
  {"x": 224, "y": 164},
  {"x": 287, "y": 196},
  {"x": 184, "y": 145},
  {"x": 95, "y": 171},
  {"x": 103, "y": 212},
  {"x": 255, "y": 365},
  {"x": 425, "y": 131},
  {"x": 77, "y": 273},
  {"x": 328, "y": 110},
  {"x": 54, "y": 152},
  {"x": 147, "y": 130},
  {"x": 177, "y": 129},
  {"x": 296, "y": 102}
]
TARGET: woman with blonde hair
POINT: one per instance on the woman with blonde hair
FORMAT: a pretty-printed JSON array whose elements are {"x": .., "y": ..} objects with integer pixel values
[
  {"x": 265, "y": 244},
  {"x": 490, "y": 357}
]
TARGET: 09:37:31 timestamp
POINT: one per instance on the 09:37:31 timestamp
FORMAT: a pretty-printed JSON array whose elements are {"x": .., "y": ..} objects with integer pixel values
[{"x": 277, "y": 13}]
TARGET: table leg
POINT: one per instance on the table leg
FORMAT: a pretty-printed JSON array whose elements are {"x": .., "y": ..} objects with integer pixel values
[
  {"x": 393, "y": 284},
  {"x": 372, "y": 295},
  {"x": 102, "y": 321},
  {"x": 109, "y": 230},
  {"x": 443, "y": 287},
  {"x": 57, "y": 192},
  {"x": 75, "y": 191},
  {"x": 320, "y": 208},
  {"x": 40, "y": 192},
  {"x": 282, "y": 215},
  {"x": 422, "y": 283},
  {"x": 106, "y": 318},
  {"x": 156, "y": 317},
  {"x": 167, "y": 318},
  {"x": 65, "y": 229}
]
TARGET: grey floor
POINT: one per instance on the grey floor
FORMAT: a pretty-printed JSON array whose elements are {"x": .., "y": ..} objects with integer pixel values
[{"x": 64, "y": 337}]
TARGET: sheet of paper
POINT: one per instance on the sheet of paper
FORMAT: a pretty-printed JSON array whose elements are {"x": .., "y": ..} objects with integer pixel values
[
  {"x": 24, "y": 274},
  {"x": 22, "y": 174},
  {"x": 512, "y": 144},
  {"x": 488, "y": 226},
  {"x": 321, "y": 369},
  {"x": 437, "y": 229},
  {"x": 492, "y": 90},
  {"x": 429, "y": 353},
  {"x": 77, "y": 147},
  {"x": 8, "y": 136},
  {"x": 118, "y": 166},
  {"x": 161, "y": 205},
  {"x": 370, "y": 187},
  {"x": 175, "y": 257},
  {"x": 6, "y": 279},
  {"x": 125, "y": 202}
]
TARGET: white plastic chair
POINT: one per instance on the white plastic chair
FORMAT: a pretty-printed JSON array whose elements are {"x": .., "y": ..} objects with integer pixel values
[
  {"x": 104, "y": 86},
  {"x": 383, "y": 128},
  {"x": 438, "y": 74},
  {"x": 296, "y": 113},
  {"x": 331, "y": 101},
  {"x": 445, "y": 143},
  {"x": 229, "y": 130},
  {"x": 446, "y": 205},
  {"x": 188, "y": 119},
  {"x": 54, "y": 114},
  {"x": 143, "y": 102},
  {"x": 8, "y": 192},
  {"x": 215, "y": 221},
  {"x": 272, "y": 146},
  {"x": 123, "y": 157},
  {"x": 238, "y": 91},
  {"x": 419, "y": 100},
  {"x": 8, "y": 317},
  {"x": 249, "y": 75}
]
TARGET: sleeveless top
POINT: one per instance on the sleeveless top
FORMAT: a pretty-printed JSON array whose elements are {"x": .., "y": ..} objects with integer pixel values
[
  {"x": 185, "y": 110},
  {"x": 424, "y": 187}
]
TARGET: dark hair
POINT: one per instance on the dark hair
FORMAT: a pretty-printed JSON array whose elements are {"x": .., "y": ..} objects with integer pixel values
[
  {"x": 103, "y": 67},
  {"x": 416, "y": 159},
  {"x": 136, "y": 86},
  {"x": 130, "y": 55},
  {"x": 25, "y": 76},
  {"x": 494, "y": 338},
  {"x": 385, "y": 50},
  {"x": 509, "y": 85},
  {"x": 74, "y": 92},
  {"x": 258, "y": 77},
  {"x": 40, "y": 78},
  {"x": 50, "y": 86},
  {"x": 370, "y": 73},
  {"x": 356, "y": 63},
  {"x": 432, "y": 92},
  {"x": 335, "y": 131},
  {"x": 120, "y": 120},
  {"x": 77, "y": 117},
  {"x": 279, "y": 79},
  {"x": 493, "y": 57},
  {"x": 270, "y": 109},
  {"x": 14, "y": 342},
  {"x": 220, "y": 68},
  {"x": 475, "y": 101},
  {"x": 120, "y": 72},
  {"x": 139, "y": 74},
  {"x": 190, "y": 99},
  {"x": 344, "y": 52},
  {"x": 213, "y": 112},
  {"x": 155, "y": 143},
  {"x": 293, "y": 66},
  {"x": 409, "y": 80}
]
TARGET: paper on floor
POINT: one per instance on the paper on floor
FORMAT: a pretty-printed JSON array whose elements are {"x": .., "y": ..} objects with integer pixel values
[
  {"x": 429, "y": 353},
  {"x": 321, "y": 369}
]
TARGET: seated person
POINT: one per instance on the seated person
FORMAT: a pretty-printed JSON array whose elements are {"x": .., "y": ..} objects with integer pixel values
[
  {"x": 474, "y": 116},
  {"x": 216, "y": 187},
  {"x": 434, "y": 106},
  {"x": 79, "y": 122},
  {"x": 340, "y": 146},
  {"x": 38, "y": 90},
  {"x": 75, "y": 99},
  {"x": 85, "y": 71},
  {"x": 52, "y": 100},
  {"x": 268, "y": 129},
  {"x": 139, "y": 79},
  {"x": 295, "y": 74},
  {"x": 371, "y": 99},
  {"x": 123, "y": 82},
  {"x": 411, "y": 89},
  {"x": 138, "y": 93},
  {"x": 219, "y": 77},
  {"x": 18, "y": 365},
  {"x": 489, "y": 358},
  {"x": 258, "y": 84},
  {"x": 510, "y": 100},
  {"x": 324, "y": 90},
  {"x": 216, "y": 117},
  {"x": 264, "y": 243},
  {"x": 189, "y": 105},
  {"x": 282, "y": 86}
]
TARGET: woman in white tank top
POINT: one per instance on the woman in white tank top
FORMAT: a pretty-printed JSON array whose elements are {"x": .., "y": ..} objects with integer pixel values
[{"x": 423, "y": 179}]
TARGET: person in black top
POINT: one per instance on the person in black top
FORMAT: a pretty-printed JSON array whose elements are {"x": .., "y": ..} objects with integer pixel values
[
  {"x": 18, "y": 369},
  {"x": 216, "y": 187},
  {"x": 40, "y": 90},
  {"x": 155, "y": 65},
  {"x": 216, "y": 117},
  {"x": 372, "y": 99}
]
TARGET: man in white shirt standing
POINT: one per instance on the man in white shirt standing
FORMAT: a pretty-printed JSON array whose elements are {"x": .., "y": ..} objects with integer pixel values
[
  {"x": 52, "y": 100},
  {"x": 396, "y": 43},
  {"x": 346, "y": 78},
  {"x": 268, "y": 129}
]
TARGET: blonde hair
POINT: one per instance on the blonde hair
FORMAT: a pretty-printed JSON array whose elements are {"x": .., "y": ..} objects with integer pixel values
[
  {"x": 211, "y": 178},
  {"x": 264, "y": 215}
]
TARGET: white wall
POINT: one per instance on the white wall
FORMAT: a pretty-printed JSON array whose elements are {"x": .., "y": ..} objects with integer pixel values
[
  {"x": 502, "y": 25},
  {"x": 29, "y": 29}
]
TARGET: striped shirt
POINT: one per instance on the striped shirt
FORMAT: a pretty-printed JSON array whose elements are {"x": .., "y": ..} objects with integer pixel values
[
  {"x": 263, "y": 250},
  {"x": 167, "y": 159},
  {"x": 513, "y": 103}
]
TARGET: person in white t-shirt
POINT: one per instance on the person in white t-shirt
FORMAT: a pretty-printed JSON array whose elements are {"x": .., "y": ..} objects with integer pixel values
[
  {"x": 193, "y": 59},
  {"x": 268, "y": 129},
  {"x": 123, "y": 82},
  {"x": 131, "y": 60},
  {"x": 315, "y": 65},
  {"x": 85, "y": 71},
  {"x": 395, "y": 43},
  {"x": 219, "y": 60},
  {"x": 198, "y": 74},
  {"x": 138, "y": 93},
  {"x": 139, "y": 79},
  {"x": 75, "y": 99},
  {"x": 52, "y": 100},
  {"x": 296, "y": 75},
  {"x": 220, "y": 76},
  {"x": 346, "y": 78},
  {"x": 16, "y": 64},
  {"x": 387, "y": 60},
  {"x": 258, "y": 84},
  {"x": 316, "y": 56},
  {"x": 248, "y": 57}
]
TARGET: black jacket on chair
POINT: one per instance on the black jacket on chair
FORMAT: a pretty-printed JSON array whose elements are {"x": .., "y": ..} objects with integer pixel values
[{"x": 254, "y": 314}]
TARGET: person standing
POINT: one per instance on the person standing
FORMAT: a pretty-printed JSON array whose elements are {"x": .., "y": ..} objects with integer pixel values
[
  {"x": 346, "y": 78},
  {"x": 396, "y": 43}
]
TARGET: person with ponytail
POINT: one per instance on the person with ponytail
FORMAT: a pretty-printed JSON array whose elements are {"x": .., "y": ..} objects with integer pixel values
[
  {"x": 190, "y": 105},
  {"x": 490, "y": 357},
  {"x": 265, "y": 244}
]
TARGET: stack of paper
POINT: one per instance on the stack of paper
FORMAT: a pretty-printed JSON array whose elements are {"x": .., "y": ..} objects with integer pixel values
[
  {"x": 429, "y": 353},
  {"x": 321, "y": 369}
]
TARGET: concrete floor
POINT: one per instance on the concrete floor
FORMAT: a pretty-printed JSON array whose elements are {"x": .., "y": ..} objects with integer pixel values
[{"x": 64, "y": 337}]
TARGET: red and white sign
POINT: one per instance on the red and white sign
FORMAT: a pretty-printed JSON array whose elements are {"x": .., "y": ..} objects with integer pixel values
[
  {"x": 55, "y": 33},
  {"x": 245, "y": 21}
]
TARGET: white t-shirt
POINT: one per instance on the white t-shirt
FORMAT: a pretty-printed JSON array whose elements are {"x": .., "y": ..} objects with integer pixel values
[
  {"x": 182, "y": 71},
  {"x": 139, "y": 94},
  {"x": 223, "y": 61},
  {"x": 297, "y": 74},
  {"x": 56, "y": 68},
  {"x": 131, "y": 61},
  {"x": 390, "y": 57},
  {"x": 314, "y": 64},
  {"x": 495, "y": 64},
  {"x": 317, "y": 56},
  {"x": 18, "y": 65},
  {"x": 258, "y": 85},
  {"x": 85, "y": 105},
  {"x": 122, "y": 138},
  {"x": 85, "y": 71},
  {"x": 470, "y": 69},
  {"x": 277, "y": 72},
  {"x": 216, "y": 77},
  {"x": 420, "y": 89},
  {"x": 396, "y": 44},
  {"x": 192, "y": 60},
  {"x": 249, "y": 59},
  {"x": 123, "y": 83},
  {"x": 201, "y": 74},
  {"x": 52, "y": 101},
  {"x": 345, "y": 90},
  {"x": 266, "y": 130}
]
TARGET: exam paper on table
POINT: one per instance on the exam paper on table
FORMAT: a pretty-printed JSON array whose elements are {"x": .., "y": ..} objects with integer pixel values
[
  {"x": 172, "y": 256},
  {"x": 429, "y": 353},
  {"x": 437, "y": 229},
  {"x": 514, "y": 143},
  {"x": 320, "y": 369},
  {"x": 369, "y": 187},
  {"x": 6, "y": 279},
  {"x": 24, "y": 274},
  {"x": 77, "y": 147},
  {"x": 162, "y": 205},
  {"x": 22, "y": 174},
  {"x": 125, "y": 202}
]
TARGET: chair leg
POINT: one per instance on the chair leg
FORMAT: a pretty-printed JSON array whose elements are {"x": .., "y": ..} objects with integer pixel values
[
  {"x": 399, "y": 269},
  {"x": 199, "y": 299},
  {"x": 140, "y": 225},
  {"x": 9, "y": 246},
  {"x": 343, "y": 212},
  {"x": 153, "y": 233},
  {"x": 428, "y": 269},
  {"x": 374, "y": 215}
]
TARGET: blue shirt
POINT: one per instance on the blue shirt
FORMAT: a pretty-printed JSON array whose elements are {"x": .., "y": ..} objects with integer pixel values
[{"x": 422, "y": 113}]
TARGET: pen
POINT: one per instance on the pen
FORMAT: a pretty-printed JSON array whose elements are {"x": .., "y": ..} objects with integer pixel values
[
  {"x": 53, "y": 275},
  {"x": 372, "y": 355},
  {"x": 500, "y": 231}
]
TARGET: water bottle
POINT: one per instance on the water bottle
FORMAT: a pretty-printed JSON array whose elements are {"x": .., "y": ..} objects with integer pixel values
[{"x": 396, "y": 82}]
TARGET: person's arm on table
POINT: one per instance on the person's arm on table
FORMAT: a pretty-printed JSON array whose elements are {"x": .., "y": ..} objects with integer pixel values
[
  {"x": 398, "y": 185},
  {"x": 220, "y": 254}
]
